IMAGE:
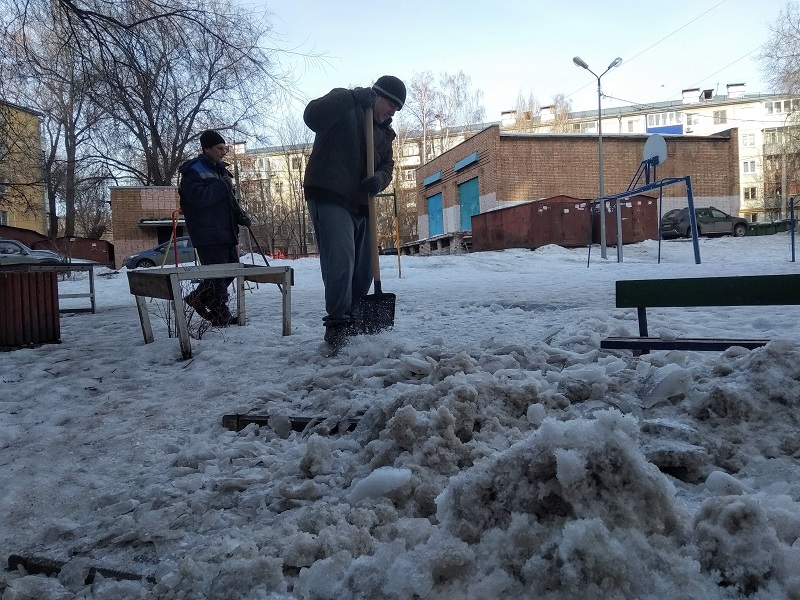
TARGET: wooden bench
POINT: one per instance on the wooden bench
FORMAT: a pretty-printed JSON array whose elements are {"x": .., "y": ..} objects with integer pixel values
[
  {"x": 166, "y": 284},
  {"x": 751, "y": 290}
]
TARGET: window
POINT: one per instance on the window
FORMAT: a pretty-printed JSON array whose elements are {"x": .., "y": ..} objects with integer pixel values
[
  {"x": 3, "y": 217},
  {"x": 749, "y": 166},
  {"x": 770, "y": 137},
  {"x": 630, "y": 126},
  {"x": 410, "y": 149},
  {"x": 750, "y": 193},
  {"x": 297, "y": 163},
  {"x": 720, "y": 117},
  {"x": 409, "y": 175},
  {"x": 768, "y": 107},
  {"x": 749, "y": 139},
  {"x": 692, "y": 119}
]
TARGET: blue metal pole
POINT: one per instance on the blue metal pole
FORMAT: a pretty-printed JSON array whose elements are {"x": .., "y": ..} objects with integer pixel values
[
  {"x": 791, "y": 223},
  {"x": 692, "y": 220}
]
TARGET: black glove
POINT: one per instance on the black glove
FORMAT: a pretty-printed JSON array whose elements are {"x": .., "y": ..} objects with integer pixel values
[
  {"x": 372, "y": 185},
  {"x": 244, "y": 219},
  {"x": 364, "y": 97}
]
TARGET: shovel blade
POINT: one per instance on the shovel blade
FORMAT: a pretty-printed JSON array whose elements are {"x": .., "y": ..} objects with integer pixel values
[{"x": 377, "y": 312}]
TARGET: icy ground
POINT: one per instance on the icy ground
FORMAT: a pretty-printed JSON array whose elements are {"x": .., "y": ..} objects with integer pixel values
[{"x": 499, "y": 452}]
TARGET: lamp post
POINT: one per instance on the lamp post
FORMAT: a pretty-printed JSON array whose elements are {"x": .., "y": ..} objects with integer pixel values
[{"x": 581, "y": 63}]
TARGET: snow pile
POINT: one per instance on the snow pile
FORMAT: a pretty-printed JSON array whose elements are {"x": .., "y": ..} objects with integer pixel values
[{"x": 498, "y": 451}]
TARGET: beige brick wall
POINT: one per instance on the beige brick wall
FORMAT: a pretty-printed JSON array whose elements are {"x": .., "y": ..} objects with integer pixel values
[{"x": 129, "y": 205}]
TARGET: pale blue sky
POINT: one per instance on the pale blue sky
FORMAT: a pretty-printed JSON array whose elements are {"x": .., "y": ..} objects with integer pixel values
[{"x": 508, "y": 47}]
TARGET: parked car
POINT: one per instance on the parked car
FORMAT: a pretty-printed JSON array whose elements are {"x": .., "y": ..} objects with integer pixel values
[
  {"x": 156, "y": 256},
  {"x": 13, "y": 252},
  {"x": 391, "y": 251},
  {"x": 710, "y": 221}
]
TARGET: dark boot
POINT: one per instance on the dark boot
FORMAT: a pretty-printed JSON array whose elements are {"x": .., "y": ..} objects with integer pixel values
[
  {"x": 220, "y": 315},
  {"x": 197, "y": 300},
  {"x": 336, "y": 336}
]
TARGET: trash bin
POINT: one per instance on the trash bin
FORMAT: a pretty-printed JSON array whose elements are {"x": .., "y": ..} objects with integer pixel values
[{"x": 28, "y": 307}]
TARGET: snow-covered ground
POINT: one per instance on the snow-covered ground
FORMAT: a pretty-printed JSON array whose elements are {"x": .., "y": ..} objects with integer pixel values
[{"x": 499, "y": 454}]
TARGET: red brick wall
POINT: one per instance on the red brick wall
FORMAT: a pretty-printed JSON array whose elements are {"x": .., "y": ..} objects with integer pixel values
[{"x": 521, "y": 167}]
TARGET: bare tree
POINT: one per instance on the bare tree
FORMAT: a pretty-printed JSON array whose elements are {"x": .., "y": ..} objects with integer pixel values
[
  {"x": 420, "y": 104},
  {"x": 780, "y": 63},
  {"x": 526, "y": 112},
  {"x": 457, "y": 104},
  {"x": 166, "y": 81},
  {"x": 561, "y": 109},
  {"x": 92, "y": 211},
  {"x": 272, "y": 189}
]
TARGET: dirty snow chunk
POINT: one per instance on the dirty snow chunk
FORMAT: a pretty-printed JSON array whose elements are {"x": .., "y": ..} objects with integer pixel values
[
  {"x": 415, "y": 364},
  {"x": 735, "y": 539},
  {"x": 536, "y": 414},
  {"x": 666, "y": 382},
  {"x": 587, "y": 373},
  {"x": 722, "y": 484},
  {"x": 379, "y": 483}
]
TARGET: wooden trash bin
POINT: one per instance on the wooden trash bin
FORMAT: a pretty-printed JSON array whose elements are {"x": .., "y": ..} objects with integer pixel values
[{"x": 28, "y": 308}]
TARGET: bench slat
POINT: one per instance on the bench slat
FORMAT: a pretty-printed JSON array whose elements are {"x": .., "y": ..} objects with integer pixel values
[
  {"x": 748, "y": 290},
  {"x": 698, "y": 344}
]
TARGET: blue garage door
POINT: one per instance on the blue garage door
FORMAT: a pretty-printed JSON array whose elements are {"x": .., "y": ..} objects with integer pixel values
[
  {"x": 435, "y": 216},
  {"x": 468, "y": 199}
]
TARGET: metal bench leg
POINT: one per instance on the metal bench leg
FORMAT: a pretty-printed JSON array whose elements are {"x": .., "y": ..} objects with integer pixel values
[
  {"x": 642, "y": 313},
  {"x": 286, "y": 291}
]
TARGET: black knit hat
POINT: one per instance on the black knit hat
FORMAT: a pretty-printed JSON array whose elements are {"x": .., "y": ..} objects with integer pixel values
[
  {"x": 210, "y": 138},
  {"x": 391, "y": 88}
]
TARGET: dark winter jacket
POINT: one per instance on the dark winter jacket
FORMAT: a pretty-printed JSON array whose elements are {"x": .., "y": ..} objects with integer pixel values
[
  {"x": 338, "y": 161},
  {"x": 209, "y": 203}
]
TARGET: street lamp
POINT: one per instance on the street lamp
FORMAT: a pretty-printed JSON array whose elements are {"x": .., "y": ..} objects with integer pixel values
[{"x": 581, "y": 63}]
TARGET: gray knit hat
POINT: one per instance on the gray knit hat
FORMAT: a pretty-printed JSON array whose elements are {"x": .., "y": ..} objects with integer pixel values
[{"x": 391, "y": 88}]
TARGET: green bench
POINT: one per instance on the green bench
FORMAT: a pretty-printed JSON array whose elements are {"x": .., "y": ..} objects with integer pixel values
[{"x": 750, "y": 290}]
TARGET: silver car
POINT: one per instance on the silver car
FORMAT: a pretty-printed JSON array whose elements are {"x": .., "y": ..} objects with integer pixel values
[
  {"x": 13, "y": 252},
  {"x": 158, "y": 255}
]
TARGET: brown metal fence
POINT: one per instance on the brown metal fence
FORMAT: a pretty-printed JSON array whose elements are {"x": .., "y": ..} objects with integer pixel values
[{"x": 28, "y": 309}]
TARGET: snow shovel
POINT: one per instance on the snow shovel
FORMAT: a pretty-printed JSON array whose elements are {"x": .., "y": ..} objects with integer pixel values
[{"x": 377, "y": 310}]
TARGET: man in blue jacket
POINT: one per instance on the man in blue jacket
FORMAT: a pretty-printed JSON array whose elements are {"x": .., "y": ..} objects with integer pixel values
[
  {"x": 337, "y": 190},
  {"x": 213, "y": 216}
]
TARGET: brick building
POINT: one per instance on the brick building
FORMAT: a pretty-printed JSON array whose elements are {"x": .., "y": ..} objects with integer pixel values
[
  {"x": 141, "y": 217},
  {"x": 494, "y": 169}
]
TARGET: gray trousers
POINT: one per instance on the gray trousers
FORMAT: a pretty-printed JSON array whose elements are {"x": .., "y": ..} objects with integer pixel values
[{"x": 344, "y": 258}]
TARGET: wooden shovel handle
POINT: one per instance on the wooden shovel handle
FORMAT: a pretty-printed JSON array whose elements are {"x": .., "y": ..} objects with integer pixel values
[{"x": 373, "y": 221}]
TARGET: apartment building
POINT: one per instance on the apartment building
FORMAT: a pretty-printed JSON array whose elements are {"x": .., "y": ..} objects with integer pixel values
[
  {"x": 768, "y": 136},
  {"x": 22, "y": 192}
]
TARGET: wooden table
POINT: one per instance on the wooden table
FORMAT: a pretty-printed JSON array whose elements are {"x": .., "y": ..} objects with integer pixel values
[{"x": 166, "y": 284}]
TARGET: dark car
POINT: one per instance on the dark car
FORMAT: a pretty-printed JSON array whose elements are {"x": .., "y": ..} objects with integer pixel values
[
  {"x": 13, "y": 252},
  {"x": 159, "y": 256},
  {"x": 710, "y": 221}
]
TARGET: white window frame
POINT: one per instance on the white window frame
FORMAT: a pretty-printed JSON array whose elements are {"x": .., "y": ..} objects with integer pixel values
[{"x": 749, "y": 167}]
